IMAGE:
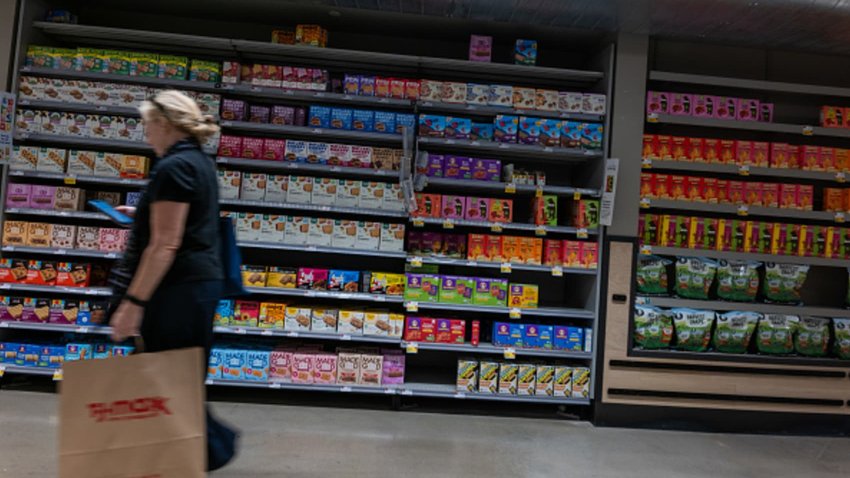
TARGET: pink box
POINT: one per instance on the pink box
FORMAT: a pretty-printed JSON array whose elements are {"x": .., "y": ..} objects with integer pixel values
[
  {"x": 280, "y": 366},
  {"x": 274, "y": 149},
  {"x": 252, "y": 148},
  {"x": 324, "y": 369},
  {"x": 42, "y": 197},
  {"x": 480, "y": 48},
  {"x": 657, "y": 102},
  {"x": 18, "y": 195},
  {"x": 477, "y": 209},
  {"x": 230, "y": 146},
  {"x": 748, "y": 109},
  {"x": 111, "y": 239},
  {"x": 302, "y": 368},
  {"x": 681, "y": 104},
  {"x": 454, "y": 207},
  {"x": 727, "y": 108},
  {"x": 766, "y": 112},
  {"x": 704, "y": 106},
  {"x": 393, "y": 369}
]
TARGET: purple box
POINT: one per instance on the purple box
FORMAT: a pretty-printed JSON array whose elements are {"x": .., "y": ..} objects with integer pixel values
[
  {"x": 431, "y": 243},
  {"x": 704, "y": 106},
  {"x": 486, "y": 169},
  {"x": 367, "y": 86},
  {"x": 465, "y": 164},
  {"x": 435, "y": 166},
  {"x": 727, "y": 108},
  {"x": 766, "y": 112},
  {"x": 454, "y": 207},
  {"x": 393, "y": 371},
  {"x": 454, "y": 245},
  {"x": 233, "y": 110},
  {"x": 681, "y": 104},
  {"x": 283, "y": 115},
  {"x": 259, "y": 114},
  {"x": 657, "y": 102},
  {"x": 42, "y": 197},
  {"x": 458, "y": 128},
  {"x": 30, "y": 306},
  {"x": 748, "y": 110},
  {"x": 480, "y": 47},
  {"x": 8, "y": 303},
  {"x": 18, "y": 195},
  {"x": 451, "y": 167},
  {"x": 363, "y": 120},
  {"x": 300, "y": 116},
  {"x": 351, "y": 85},
  {"x": 481, "y": 132}
]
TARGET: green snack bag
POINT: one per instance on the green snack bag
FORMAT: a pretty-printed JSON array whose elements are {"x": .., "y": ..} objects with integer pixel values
[
  {"x": 693, "y": 328},
  {"x": 652, "y": 275},
  {"x": 783, "y": 282},
  {"x": 812, "y": 337},
  {"x": 734, "y": 331},
  {"x": 738, "y": 280},
  {"x": 694, "y": 277},
  {"x": 841, "y": 345},
  {"x": 653, "y": 327},
  {"x": 776, "y": 333}
]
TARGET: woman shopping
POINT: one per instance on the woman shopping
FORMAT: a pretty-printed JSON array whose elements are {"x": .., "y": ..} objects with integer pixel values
[{"x": 174, "y": 253}]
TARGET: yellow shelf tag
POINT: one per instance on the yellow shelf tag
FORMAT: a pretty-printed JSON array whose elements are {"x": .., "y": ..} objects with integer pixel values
[
  {"x": 412, "y": 348},
  {"x": 70, "y": 180},
  {"x": 540, "y": 231},
  {"x": 496, "y": 228},
  {"x": 510, "y": 188},
  {"x": 577, "y": 195},
  {"x": 418, "y": 222},
  {"x": 557, "y": 271},
  {"x": 412, "y": 306},
  {"x": 57, "y": 375},
  {"x": 581, "y": 233},
  {"x": 448, "y": 224},
  {"x": 416, "y": 261},
  {"x": 744, "y": 170},
  {"x": 515, "y": 313},
  {"x": 510, "y": 353},
  {"x": 743, "y": 210},
  {"x": 538, "y": 192},
  {"x": 506, "y": 268}
]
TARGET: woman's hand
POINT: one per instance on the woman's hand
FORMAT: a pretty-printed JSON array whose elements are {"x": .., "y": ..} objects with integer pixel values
[
  {"x": 127, "y": 210},
  {"x": 126, "y": 321}
]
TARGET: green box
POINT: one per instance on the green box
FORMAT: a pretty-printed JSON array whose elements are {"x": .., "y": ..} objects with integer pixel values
[
  {"x": 117, "y": 62},
  {"x": 205, "y": 71},
  {"x": 449, "y": 290},
  {"x": 40, "y": 56},
  {"x": 63, "y": 58},
  {"x": 91, "y": 60},
  {"x": 465, "y": 289},
  {"x": 172, "y": 67},
  {"x": 490, "y": 292},
  {"x": 143, "y": 64},
  {"x": 422, "y": 288}
]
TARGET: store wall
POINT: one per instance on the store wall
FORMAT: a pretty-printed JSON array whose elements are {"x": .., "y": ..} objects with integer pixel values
[{"x": 8, "y": 14}]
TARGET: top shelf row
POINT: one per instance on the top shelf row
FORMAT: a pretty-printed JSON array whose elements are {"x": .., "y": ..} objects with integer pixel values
[{"x": 753, "y": 85}]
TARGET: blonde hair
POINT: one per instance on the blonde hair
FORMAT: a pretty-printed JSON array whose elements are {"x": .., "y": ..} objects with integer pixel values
[{"x": 181, "y": 112}]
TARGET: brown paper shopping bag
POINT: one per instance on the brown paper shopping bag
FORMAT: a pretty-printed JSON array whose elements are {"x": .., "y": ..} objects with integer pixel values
[{"x": 133, "y": 417}]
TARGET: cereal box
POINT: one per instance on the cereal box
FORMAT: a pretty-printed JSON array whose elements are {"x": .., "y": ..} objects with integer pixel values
[
  {"x": 581, "y": 383},
  {"x": 526, "y": 379},
  {"x": 488, "y": 377},
  {"x": 324, "y": 320},
  {"x": 361, "y": 157},
  {"x": 348, "y": 193},
  {"x": 344, "y": 234},
  {"x": 297, "y": 318},
  {"x": 53, "y": 160},
  {"x": 562, "y": 385},
  {"x": 392, "y": 238},
  {"x": 422, "y": 288},
  {"x": 523, "y": 296},
  {"x": 467, "y": 375},
  {"x": 371, "y": 194},
  {"x": 24, "y": 157}
]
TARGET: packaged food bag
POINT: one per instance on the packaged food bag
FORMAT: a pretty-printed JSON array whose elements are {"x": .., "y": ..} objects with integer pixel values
[
  {"x": 694, "y": 276},
  {"x": 734, "y": 331},
  {"x": 812, "y": 337},
  {"x": 783, "y": 282},
  {"x": 841, "y": 344},
  {"x": 738, "y": 280},
  {"x": 693, "y": 328},
  {"x": 776, "y": 333},
  {"x": 652, "y": 275},
  {"x": 653, "y": 327}
]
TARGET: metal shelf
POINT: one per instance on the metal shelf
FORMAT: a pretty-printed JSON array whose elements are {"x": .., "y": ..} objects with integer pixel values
[
  {"x": 20, "y": 370},
  {"x": 488, "y": 110},
  {"x": 63, "y": 214},
  {"x": 747, "y": 307},
  {"x": 745, "y": 256},
  {"x": 80, "y": 107},
  {"x": 493, "y": 186},
  {"x": 305, "y": 387},
  {"x": 70, "y": 179},
  {"x": 235, "y": 330},
  {"x": 310, "y": 132},
  {"x": 324, "y": 294},
  {"x": 556, "y": 312},
  {"x": 733, "y": 209},
  {"x": 527, "y": 152},
  {"x": 50, "y": 289},
  {"x": 748, "y": 125},
  {"x": 758, "y": 85},
  {"x": 63, "y": 328},
  {"x": 797, "y": 174},
  {"x": 448, "y": 261},
  {"x": 53, "y": 251},
  {"x": 311, "y": 208},
  {"x": 508, "y": 226},
  {"x": 492, "y": 349},
  {"x": 267, "y": 165},
  {"x": 63, "y": 140},
  {"x": 252, "y": 91},
  {"x": 741, "y": 358},
  {"x": 321, "y": 250},
  {"x": 202, "y": 86},
  {"x": 450, "y": 391}
]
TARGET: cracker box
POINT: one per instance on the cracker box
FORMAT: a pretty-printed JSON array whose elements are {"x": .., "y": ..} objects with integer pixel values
[
  {"x": 392, "y": 238},
  {"x": 282, "y": 277},
  {"x": 523, "y": 296},
  {"x": 506, "y": 128},
  {"x": 581, "y": 383},
  {"x": 351, "y": 322},
  {"x": 526, "y": 379},
  {"x": 420, "y": 329},
  {"x": 368, "y": 236},
  {"x": 477, "y": 247},
  {"x": 361, "y": 157},
  {"x": 302, "y": 368},
  {"x": 695, "y": 148},
  {"x": 253, "y": 186},
  {"x": 344, "y": 234},
  {"x": 511, "y": 249},
  {"x": 348, "y": 368},
  {"x": 488, "y": 377},
  {"x": 272, "y": 315},
  {"x": 531, "y": 250},
  {"x": 53, "y": 160},
  {"x": 422, "y": 288},
  {"x": 753, "y": 193},
  {"x": 297, "y": 318},
  {"x": 508, "y": 373},
  {"x": 348, "y": 193},
  {"x": 325, "y": 320},
  {"x": 680, "y": 148},
  {"x": 371, "y": 370},
  {"x": 562, "y": 384},
  {"x": 371, "y": 194},
  {"x": 467, "y": 375},
  {"x": 75, "y": 351},
  {"x": 507, "y": 334},
  {"x": 24, "y": 157},
  {"x": 805, "y": 197},
  {"x": 545, "y": 380}
]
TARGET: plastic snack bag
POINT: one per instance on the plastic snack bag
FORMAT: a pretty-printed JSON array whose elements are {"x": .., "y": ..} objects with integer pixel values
[
  {"x": 694, "y": 276},
  {"x": 734, "y": 331},
  {"x": 812, "y": 337},
  {"x": 653, "y": 327},
  {"x": 776, "y": 333},
  {"x": 783, "y": 282},
  {"x": 841, "y": 345},
  {"x": 652, "y": 275},
  {"x": 738, "y": 280},
  {"x": 693, "y": 328}
]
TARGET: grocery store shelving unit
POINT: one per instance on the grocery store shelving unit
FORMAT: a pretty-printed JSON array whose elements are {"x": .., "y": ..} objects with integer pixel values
[{"x": 578, "y": 287}]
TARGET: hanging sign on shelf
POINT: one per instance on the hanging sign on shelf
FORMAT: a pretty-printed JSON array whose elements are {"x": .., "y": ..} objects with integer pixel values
[{"x": 609, "y": 191}]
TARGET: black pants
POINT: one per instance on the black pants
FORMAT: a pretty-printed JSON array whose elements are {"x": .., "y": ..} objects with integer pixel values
[{"x": 181, "y": 316}]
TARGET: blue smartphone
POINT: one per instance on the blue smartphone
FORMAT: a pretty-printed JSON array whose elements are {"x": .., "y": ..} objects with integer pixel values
[{"x": 106, "y": 208}]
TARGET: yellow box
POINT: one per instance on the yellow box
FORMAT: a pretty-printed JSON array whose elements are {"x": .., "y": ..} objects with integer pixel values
[
  {"x": 254, "y": 276},
  {"x": 272, "y": 315},
  {"x": 281, "y": 277},
  {"x": 523, "y": 296}
]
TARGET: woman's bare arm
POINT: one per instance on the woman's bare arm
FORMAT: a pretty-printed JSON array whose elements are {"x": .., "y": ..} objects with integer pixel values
[{"x": 168, "y": 223}]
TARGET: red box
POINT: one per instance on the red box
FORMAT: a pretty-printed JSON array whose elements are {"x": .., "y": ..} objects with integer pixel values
[
  {"x": 846, "y": 123},
  {"x": 428, "y": 205},
  {"x": 647, "y": 185},
  {"x": 677, "y": 189},
  {"x": 665, "y": 147},
  {"x": 274, "y": 149},
  {"x": 476, "y": 247},
  {"x": 727, "y": 151},
  {"x": 709, "y": 190},
  {"x": 73, "y": 275},
  {"x": 572, "y": 254},
  {"x": 650, "y": 146},
  {"x": 743, "y": 152},
  {"x": 425, "y": 332},
  {"x": 722, "y": 191},
  {"x": 794, "y": 159},
  {"x": 761, "y": 154},
  {"x": 41, "y": 273},
  {"x": 411, "y": 89},
  {"x": 457, "y": 331},
  {"x": 230, "y": 146},
  {"x": 770, "y": 194},
  {"x": 589, "y": 255},
  {"x": 842, "y": 159},
  {"x": 477, "y": 209},
  {"x": 397, "y": 87},
  {"x": 553, "y": 252},
  {"x": 502, "y": 210},
  {"x": 494, "y": 249},
  {"x": 832, "y": 116},
  {"x": 382, "y": 87},
  {"x": 779, "y": 156},
  {"x": 694, "y": 188},
  {"x": 252, "y": 148},
  {"x": 680, "y": 148},
  {"x": 6, "y": 274},
  {"x": 805, "y": 197},
  {"x": 662, "y": 186},
  {"x": 810, "y": 156},
  {"x": 736, "y": 192},
  {"x": 476, "y": 332},
  {"x": 711, "y": 150},
  {"x": 695, "y": 150},
  {"x": 788, "y": 196},
  {"x": 753, "y": 193},
  {"x": 827, "y": 159}
]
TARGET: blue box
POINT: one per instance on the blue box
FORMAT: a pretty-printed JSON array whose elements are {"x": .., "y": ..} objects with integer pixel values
[
  {"x": 84, "y": 316},
  {"x": 385, "y": 122},
  {"x": 481, "y": 132},
  {"x": 531, "y": 336},
  {"x": 52, "y": 356},
  {"x": 458, "y": 128},
  {"x": 341, "y": 118},
  {"x": 529, "y": 130},
  {"x": 364, "y": 120},
  {"x": 76, "y": 351},
  {"x": 550, "y": 132},
  {"x": 257, "y": 365},
  {"x": 122, "y": 350},
  {"x": 320, "y": 117},
  {"x": 404, "y": 120},
  {"x": 546, "y": 336},
  {"x": 28, "y": 355},
  {"x": 102, "y": 351},
  {"x": 516, "y": 331},
  {"x": 8, "y": 352},
  {"x": 525, "y": 52},
  {"x": 340, "y": 280},
  {"x": 591, "y": 136},
  {"x": 133, "y": 199},
  {"x": 574, "y": 339},
  {"x": 233, "y": 364},
  {"x": 571, "y": 134},
  {"x": 501, "y": 334},
  {"x": 223, "y": 313},
  {"x": 44, "y": 357},
  {"x": 433, "y": 126},
  {"x": 505, "y": 128},
  {"x": 214, "y": 365}
]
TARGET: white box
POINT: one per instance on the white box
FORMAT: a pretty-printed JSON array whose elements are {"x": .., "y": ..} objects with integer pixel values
[
  {"x": 371, "y": 195},
  {"x": 273, "y": 228},
  {"x": 318, "y": 153},
  {"x": 501, "y": 95},
  {"x": 297, "y": 319},
  {"x": 76, "y": 124},
  {"x": 325, "y": 320},
  {"x": 299, "y": 190},
  {"x": 31, "y": 88},
  {"x": 82, "y": 163},
  {"x": 253, "y": 187},
  {"x": 52, "y": 160},
  {"x": 593, "y": 104},
  {"x": 376, "y": 323},
  {"x": 547, "y": 100},
  {"x": 339, "y": 154},
  {"x": 393, "y": 198},
  {"x": 229, "y": 184},
  {"x": 397, "y": 323},
  {"x": 361, "y": 157},
  {"x": 28, "y": 121},
  {"x": 371, "y": 370},
  {"x": 348, "y": 193},
  {"x": 350, "y": 322},
  {"x": 368, "y": 236},
  {"x": 392, "y": 237},
  {"x": 570, "y": 101},
  {"x": 320, "y": 232},
  {"x": 108, "y": 165},
  {"x": 296, "y": 151},
  {"x": 345, "y": 234},
  {"x": 248, "y": 226},
  {"x": 297, "y": 228},
  {"x": 24, "y": 157},
  {"x": 324, "y": 191},
  {"x": 276, "y": 186}
]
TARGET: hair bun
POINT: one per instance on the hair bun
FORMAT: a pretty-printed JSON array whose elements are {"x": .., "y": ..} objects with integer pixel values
[{"x": 208, "y": 119}]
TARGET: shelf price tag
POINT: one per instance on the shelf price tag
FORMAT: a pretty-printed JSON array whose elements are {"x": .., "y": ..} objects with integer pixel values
[
  {"x": 642, "y": 300},
  {"x": 418, "y": 222},
  {"x": 240, "y": 331},
  {"x": 448, "y": 224},
  {"x": 460, "y": 395},
  {"x": 416, "y": 261},
  {"x": 808, "y": 131},
  {"x": 510, "y": 353},
  {"x": 515, "y": 313},
  {"x": 743, "y": 210},
  {"x": 646, "y": 163},
  {"x": 209, "y": 381},
  {"x": 510, "y": 188},
  {"x": 540, "y": 231},
  {"x": 505, "y": 268},
  {"x": 841, "y": 177},
  {"x": 646, "y": 250},
  {"x": 652, "y": 118},
  {"x": 557, "y": 271},
  {"x": 412, "y": 306},
  {"x": 645, "y": 203},
  {"x": 2, "y": 370},
  {"x": 345, "y": 337},
  {"x": 412, "y": 348},
  {"x": 577, "y": 196},
  {"x": 70, "y": 180},
  {"x": 345, "y": 389},
  {"x": 538, "y": 192},
  {"x": 496, "y": 227},
  {"x": 744, "y": 170},
  {"x": 267, "y": 333},
  {"x": 840, "y": 217},
  {"x": 581, "y": 233},
  {"x": 57, "y": 375},
  {"x": 274, "y": 386}
]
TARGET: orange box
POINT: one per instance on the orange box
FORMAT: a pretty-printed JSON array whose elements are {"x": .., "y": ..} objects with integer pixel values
[
  {"x": 650, "y": 147},
  {"x": 846, "y": 203},
  {"x": 788, "y": 196},
  {"x": 753, "y": 193},
  {"x": 511, "y": 249},
  {"x": 842, "y": 159},
  {"x": 794, "y": 161},
  {"x": 695, "y": 150},
  {"x": 428, "y": 205},
  {"x": 711, "y": 150},
  {"x": 531, "y": 250},
  {"x": 743, "y": 152},
  {"x": 833, "y": 199},
  {"x": 779, "y": 156},
  {"x": 694, "y": 188},
  {"x": 832, "y": 116},
  {"x": 709, "y": 190},
  {"x": 572, "y": 254},
  {"x": 494, "y": 249},
  {"x": 727, "y": 151},
  {"x": 827, "y": 159},
  {"x": 846, "y": 123},
  {"x": 553, "y": 252},
  {"x": 805, "y": 197},
  {"x": 476, "y": 247},
  {"x": 662, "y": 186},
  {"x": 770, "y": 194},
  {"x": 736, "y": 192},
  {"x": 811, "y": 157},
  {"x": 680, "y": 148},
  {"x": 665, "y": 147},
  {"x": 677, "y": 188},
  {"x": 761, "y": 154},
  {"x": 722, "y": 191},
  {"x": 647, "y": 185},
  {"x": 589, "y": 255}
]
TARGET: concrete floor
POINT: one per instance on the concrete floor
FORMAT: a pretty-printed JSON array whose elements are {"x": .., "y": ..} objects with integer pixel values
[{"x": 285, "y": 441}]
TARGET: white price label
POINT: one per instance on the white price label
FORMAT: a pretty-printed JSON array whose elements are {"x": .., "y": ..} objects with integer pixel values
[
  {"x": 267, "y": 333},
  {"x": 557, "y": 271},
  {"x": 412, "y": 348},
  {"x": 839, "y": 217},
  {"x": 82, "y": 330},
  {"x": 515, "y": 313},
  {"x": 4, "y": 325},
  {"x": 208, "y": 381},
  {"x": 496, "y": 227},
  {"x": 57, "y": 375},
  {"x": 416, "y": 261},
  {"x": 510, "y": 188},
  {"x": 506, "y": 268},
  {"x": 581, "y": 233},
  {"x": 841, "y": 177},
  {"x": 240, "y": 331},
  {"x": 744, "y": 170},
  {"x": 345, "y": 389},
  {"x": 390, "y": 391},
  {"x": 345, "y": 337},
  {"x": 510, "y": 353},
  {"x": 645, "y": 203},
  {"x": 407, "y": 393},
  {"x": 808, "y": 131},
  {"x": 293, "y": 335},
  {"x": 743, "y": 210},
  {"x": 412, "y": 306},
  {"x": 274, "y": 386},
  {"x": 460, "y": 395}
]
